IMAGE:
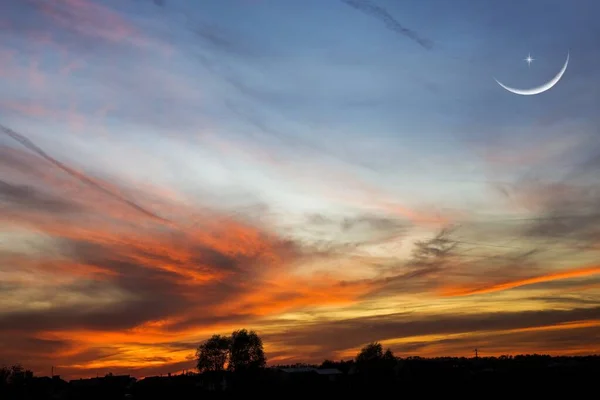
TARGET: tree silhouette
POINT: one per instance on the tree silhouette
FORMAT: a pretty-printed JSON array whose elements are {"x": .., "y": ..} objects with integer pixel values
[
  {"x": 246, "y": 351},
  {"x": 17, "y": 374},
  {"x": 370, "y": 353},
  {"x": 372, "y": 361},
  {"x": 213, "y": 354},
  {"x": 4, "y": 376},
  {"x": 389, "y": 359}
]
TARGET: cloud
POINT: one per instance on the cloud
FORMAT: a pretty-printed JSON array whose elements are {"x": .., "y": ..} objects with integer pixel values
[
  {"x": 359, "y": 230},
  {"x": 115, "y": 274},
  {"x": 32, "y": 199},
  {"x": 88, "y": 18},
  {"x": 83, "y": 26},
  {"x": 343, "y": 336},
  {"x": 32, "y": 146},
  {"x": 568, "y": 213},
  {"x": 543, "y": 228},
  {"x": 570, "y": 338},
  {"x": 548, "y": 178},
  {"x": 391, "y": 23},
  {"x": 569, "y": 274}
]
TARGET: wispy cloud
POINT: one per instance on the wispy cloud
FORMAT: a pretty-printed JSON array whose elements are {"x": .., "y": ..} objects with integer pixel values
[
  {"x": 410, "y": 333},
  {"x": 573, "y": 273},
  {"x": 89, "y": 18},
  {"x": 390, "y": 22},
  {"x": 31, "y": 146}
]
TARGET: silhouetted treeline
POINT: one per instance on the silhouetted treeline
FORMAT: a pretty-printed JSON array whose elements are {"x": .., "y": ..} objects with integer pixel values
[
  {"x": 241, "y": 351},
  {"x": 373, "y": 372}
]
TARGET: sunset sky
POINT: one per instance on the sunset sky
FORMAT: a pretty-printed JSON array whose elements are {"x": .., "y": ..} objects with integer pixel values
[{"x": 325, "y": 172}]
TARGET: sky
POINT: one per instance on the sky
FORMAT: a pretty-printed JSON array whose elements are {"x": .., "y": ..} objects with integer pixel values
[{"x": 325, "y": 172}]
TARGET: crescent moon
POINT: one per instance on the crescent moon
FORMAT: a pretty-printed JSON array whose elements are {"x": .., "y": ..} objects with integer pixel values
[{"x": 539, "y": 89}]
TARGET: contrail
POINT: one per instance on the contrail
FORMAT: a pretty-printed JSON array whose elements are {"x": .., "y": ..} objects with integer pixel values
[
  {"x": 382, "y": 14},
  {"x": 32, "y": 146}
]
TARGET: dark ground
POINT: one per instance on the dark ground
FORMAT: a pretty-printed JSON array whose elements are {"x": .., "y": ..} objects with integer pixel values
[{"x": 536, "y": 376}]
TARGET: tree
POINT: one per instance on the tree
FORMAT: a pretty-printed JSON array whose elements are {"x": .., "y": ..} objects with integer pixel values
[
  {"x": 16, "y": 375},
  {"x": 370, "y": 353},
  {"x": 13, "y": 380},
  {"x": 213, "y": 354},
  {"x": 246, "y": 351},
  {"x": 372, "y": 358},
  {"x": 389, "y": 359},
  {"x": 4, "y": 376}
]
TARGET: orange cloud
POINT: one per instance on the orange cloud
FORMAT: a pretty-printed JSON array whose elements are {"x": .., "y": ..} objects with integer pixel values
[
  {"x": 131, "y": 291},
  {"x": 283, "y": 293},
  {"x": 468, "y": 291},
  {"x": 175, "y": 278}
]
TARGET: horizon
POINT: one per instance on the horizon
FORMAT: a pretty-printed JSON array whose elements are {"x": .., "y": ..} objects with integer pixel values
[
  {"x": 194, "y": 371},
  {"x": 325, "y": 173}
]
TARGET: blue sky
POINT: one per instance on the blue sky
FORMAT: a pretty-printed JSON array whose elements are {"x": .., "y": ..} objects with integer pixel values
[{"x": 369, "y": 124}]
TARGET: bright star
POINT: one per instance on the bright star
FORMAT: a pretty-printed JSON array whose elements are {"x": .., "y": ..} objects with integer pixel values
[{"x": 529, "y": 60}]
